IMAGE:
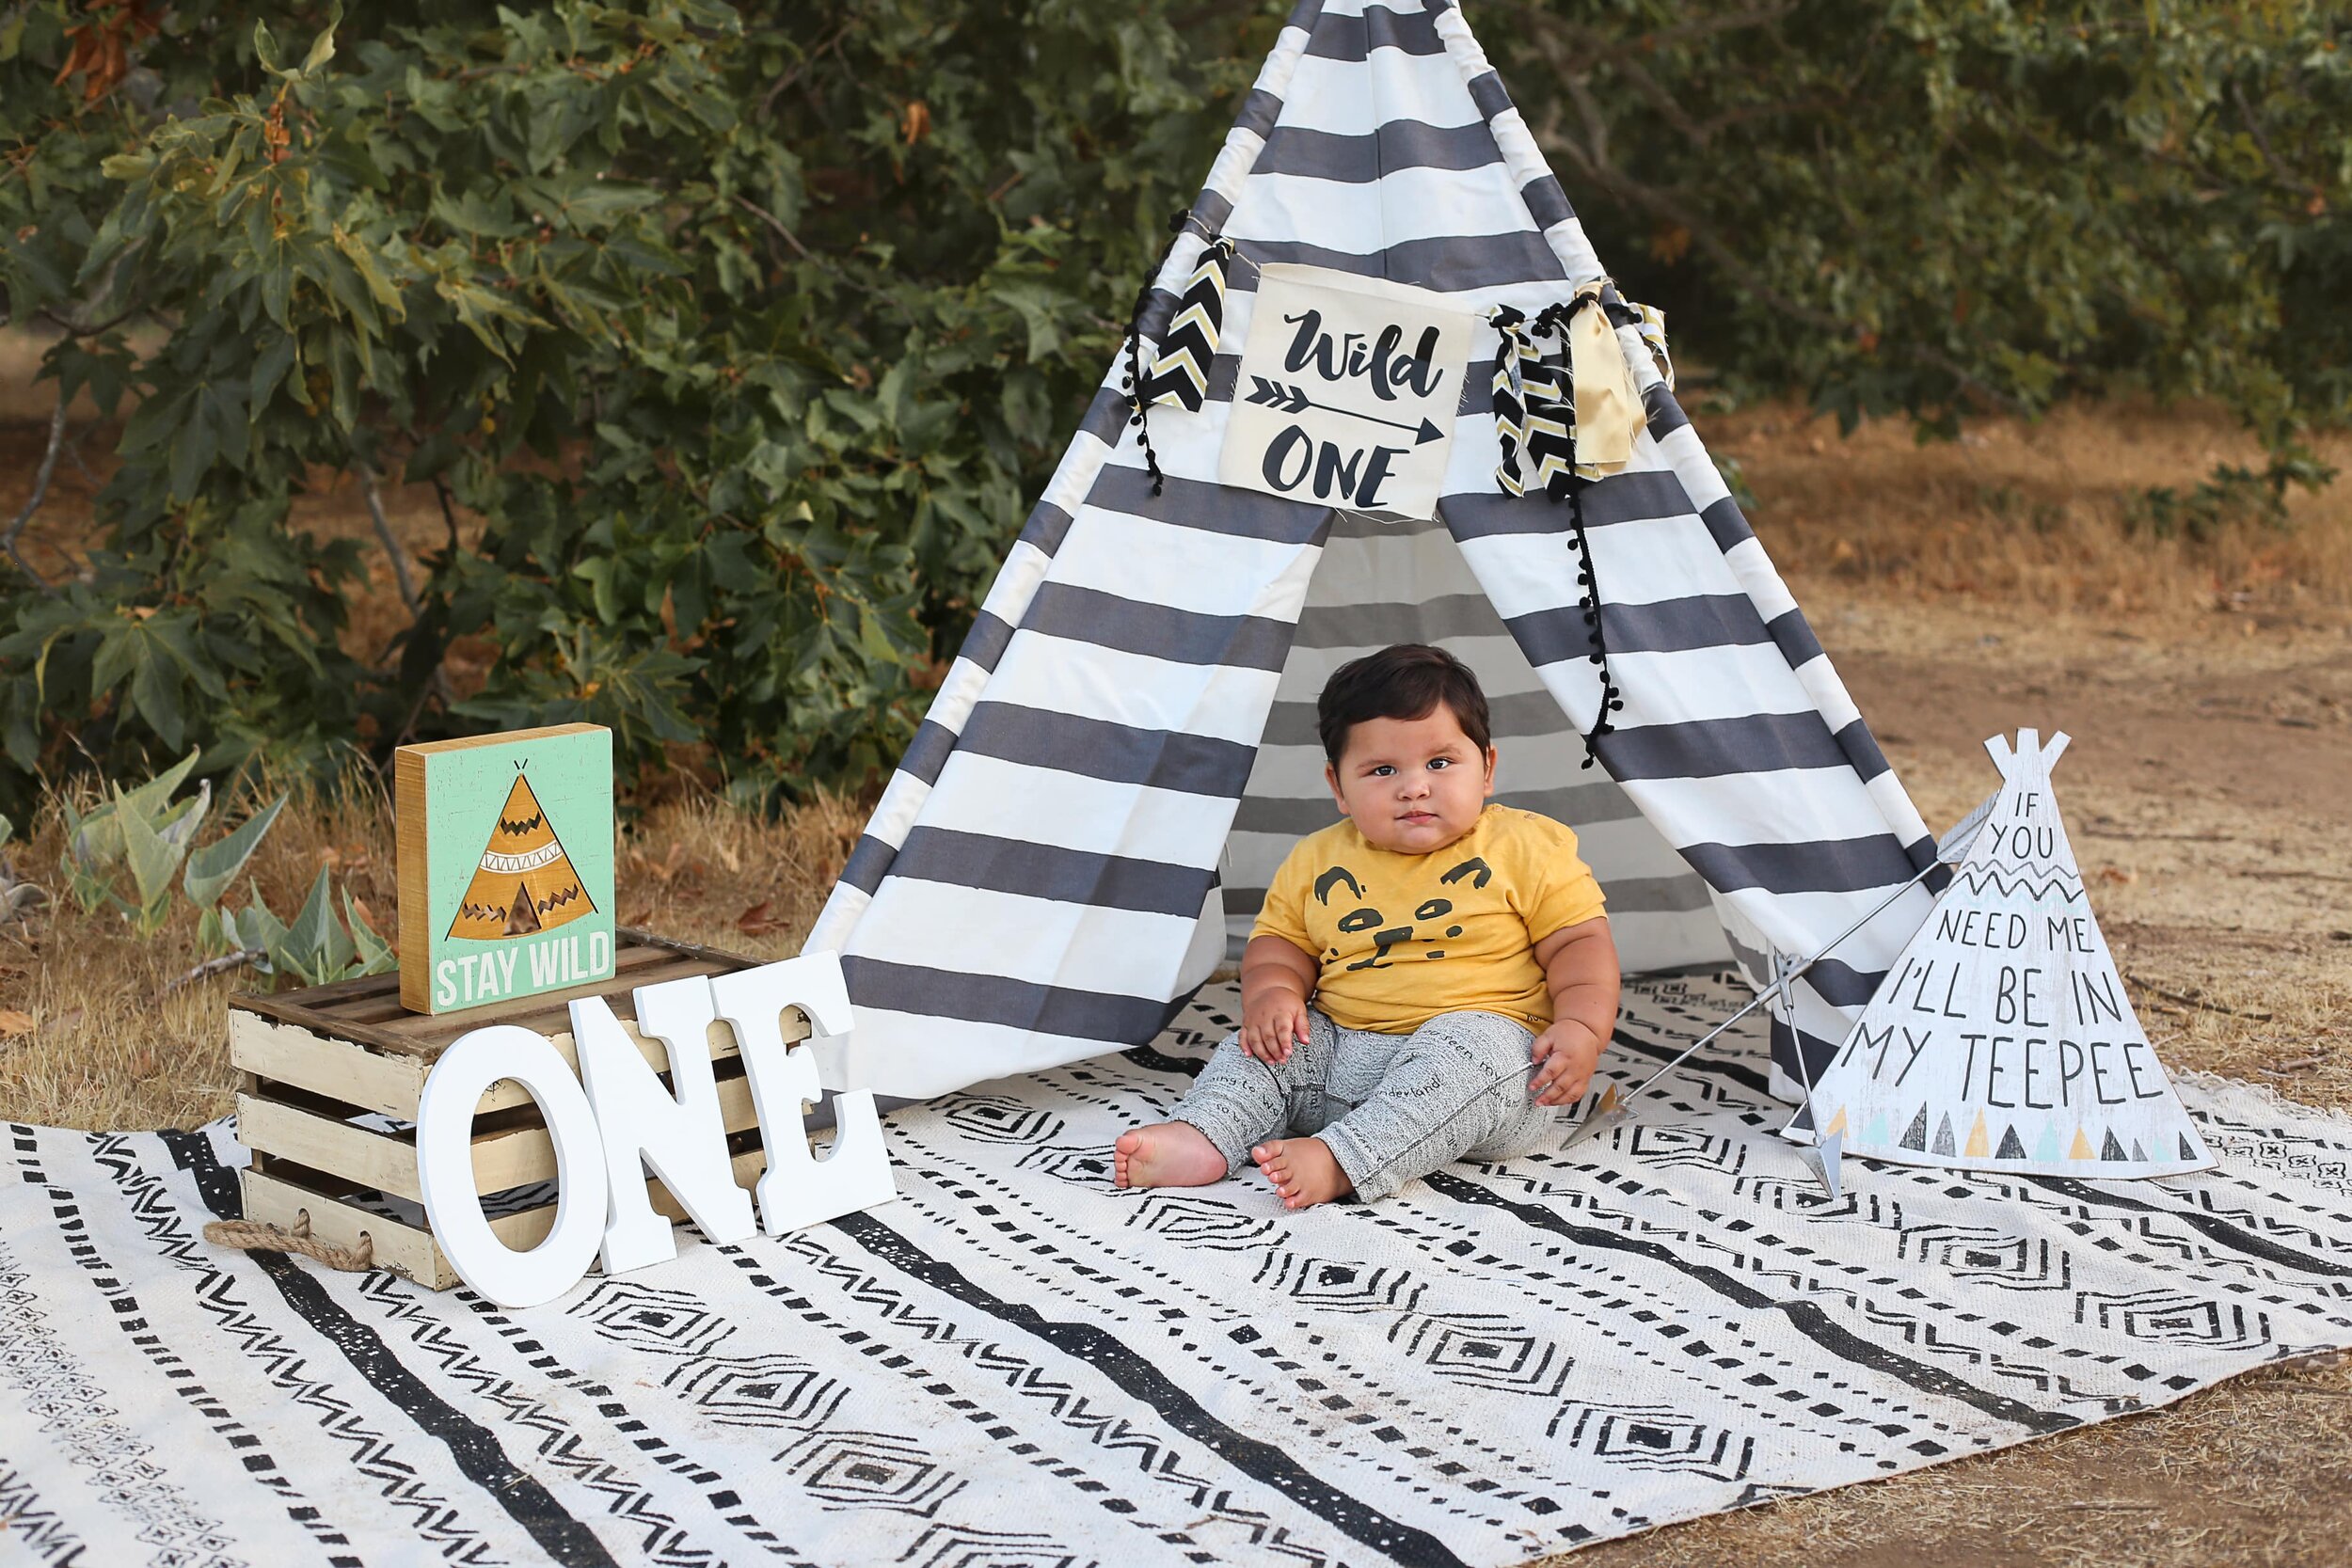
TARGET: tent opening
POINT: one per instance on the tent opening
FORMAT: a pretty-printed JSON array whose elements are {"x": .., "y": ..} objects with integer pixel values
[{"x": 1381, "y": 582}]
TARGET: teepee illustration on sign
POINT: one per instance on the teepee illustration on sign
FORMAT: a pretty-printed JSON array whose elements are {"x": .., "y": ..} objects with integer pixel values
[
  {"x": 525, "y": 881},
  {"x": 2002, "y": 1038}
]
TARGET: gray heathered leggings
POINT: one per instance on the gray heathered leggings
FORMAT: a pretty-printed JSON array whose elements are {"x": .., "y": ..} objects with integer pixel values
[{"x": 1390, "y": 1107}]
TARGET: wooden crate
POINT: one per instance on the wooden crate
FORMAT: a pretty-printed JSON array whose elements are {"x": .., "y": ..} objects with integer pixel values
[{"x": 321, "y": 1071}]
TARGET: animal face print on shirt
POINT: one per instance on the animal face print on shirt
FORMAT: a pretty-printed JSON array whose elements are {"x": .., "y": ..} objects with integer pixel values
[
  {"x": 1397, "y": 938},
  {"x": 1385, "y": 937}
]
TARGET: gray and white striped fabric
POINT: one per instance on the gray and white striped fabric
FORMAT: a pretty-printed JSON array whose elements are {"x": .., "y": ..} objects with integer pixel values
[{"x": 1124, "y": 744}]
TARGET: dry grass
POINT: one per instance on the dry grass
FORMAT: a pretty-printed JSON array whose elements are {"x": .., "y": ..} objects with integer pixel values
[
  {"x": 2034, "y": 514},
  {"x": 107, "y": 1048},
  {"x": 2204, "y": 794}
]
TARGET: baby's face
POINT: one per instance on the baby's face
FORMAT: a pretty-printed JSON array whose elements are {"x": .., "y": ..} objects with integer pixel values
[{"x": 1412, "y": 785}]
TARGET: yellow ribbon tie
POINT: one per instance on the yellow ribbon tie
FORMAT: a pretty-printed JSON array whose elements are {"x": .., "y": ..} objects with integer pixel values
[{"x": 1608, "y": 412}]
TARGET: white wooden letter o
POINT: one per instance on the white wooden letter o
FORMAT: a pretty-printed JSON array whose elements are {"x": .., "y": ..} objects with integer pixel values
[{"x": 445, "y": 1165}]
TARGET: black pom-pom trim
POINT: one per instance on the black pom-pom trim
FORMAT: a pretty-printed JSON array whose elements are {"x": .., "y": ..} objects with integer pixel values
[{"x": 1611, "y": 696}]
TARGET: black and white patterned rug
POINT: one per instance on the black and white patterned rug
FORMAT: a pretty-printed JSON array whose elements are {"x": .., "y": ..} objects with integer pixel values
[{"x": 1018, "y": 1364}]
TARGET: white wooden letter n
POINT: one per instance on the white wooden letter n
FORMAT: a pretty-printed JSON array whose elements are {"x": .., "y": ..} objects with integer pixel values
[{"x": 684, "y": 1139}]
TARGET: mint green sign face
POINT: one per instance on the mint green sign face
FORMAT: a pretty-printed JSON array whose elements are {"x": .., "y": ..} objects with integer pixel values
[{"x": 520, "y": 867}]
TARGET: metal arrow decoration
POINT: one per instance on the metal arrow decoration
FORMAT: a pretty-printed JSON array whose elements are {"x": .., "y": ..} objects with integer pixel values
[
  {"x": 1294, "y": 400},
  {"x": 1823, "y": 1156}
]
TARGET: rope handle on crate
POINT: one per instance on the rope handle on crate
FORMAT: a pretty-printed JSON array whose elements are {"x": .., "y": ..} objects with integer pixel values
[{"x": 255, "y": 1236}]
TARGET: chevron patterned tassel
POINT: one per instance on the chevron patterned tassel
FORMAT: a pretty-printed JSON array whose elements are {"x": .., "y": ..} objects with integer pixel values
[
  {"x": 1653, "y": 328},
  {"x": 1535, "y": 426},
  {"x": 1512, "y": 345},
  {"x": 1534, "y": 418},
  {"x": 1180, "y": 369},
  {"x": 1550, "y": 430},
  {"x": 1533, "y": 401}
]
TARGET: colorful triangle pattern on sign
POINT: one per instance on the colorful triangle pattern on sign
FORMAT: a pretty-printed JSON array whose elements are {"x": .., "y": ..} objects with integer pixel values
[
  {"x": 2005, "y": 1015},
  {"x": 525, "y": 882}
]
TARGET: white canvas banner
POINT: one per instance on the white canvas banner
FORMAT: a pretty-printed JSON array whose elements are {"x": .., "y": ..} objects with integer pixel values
[
  {"x": 1347, "y": 392},
  {"x": 2002, "y": 1038}
]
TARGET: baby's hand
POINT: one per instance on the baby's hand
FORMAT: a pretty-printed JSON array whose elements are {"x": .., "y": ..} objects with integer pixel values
[
  {"x": 1564, "y": 1055},
  {"x": 1270, "y": 1025}
]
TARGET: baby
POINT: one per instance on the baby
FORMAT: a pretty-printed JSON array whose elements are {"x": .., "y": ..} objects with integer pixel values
[{"x": 1412, "y": 963}]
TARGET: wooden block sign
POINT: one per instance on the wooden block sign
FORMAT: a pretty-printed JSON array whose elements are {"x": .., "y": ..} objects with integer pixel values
[{"x": 505, "y": 852}]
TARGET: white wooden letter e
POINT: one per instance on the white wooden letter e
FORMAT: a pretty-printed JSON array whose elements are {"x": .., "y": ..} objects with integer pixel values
[{"x": 799, "y": 1189}]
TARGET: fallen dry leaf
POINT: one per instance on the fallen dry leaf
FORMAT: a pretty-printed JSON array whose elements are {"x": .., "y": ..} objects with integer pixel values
[
  {"x": 759, "y": 920},
  {"x": 661, "y": 870},
  {"x": 15, "y": 1022},
  {"x": 638, "y": 919}
]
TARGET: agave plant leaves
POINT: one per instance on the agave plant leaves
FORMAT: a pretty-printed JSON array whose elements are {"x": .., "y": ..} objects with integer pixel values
[
  {"x": 152, "y": 860},
  {"x": 211, "y": 868}
]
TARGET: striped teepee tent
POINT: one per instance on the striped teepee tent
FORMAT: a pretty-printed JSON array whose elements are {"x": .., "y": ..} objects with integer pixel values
[{"x": 1124, "y": 747}]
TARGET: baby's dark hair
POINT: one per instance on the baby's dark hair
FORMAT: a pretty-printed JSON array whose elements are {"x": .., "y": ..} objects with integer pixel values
[{"x": 1405, "y": 681}]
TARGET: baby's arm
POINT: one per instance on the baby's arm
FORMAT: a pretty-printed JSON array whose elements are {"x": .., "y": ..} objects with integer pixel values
[
  {"x": 1579, "y": 965},
  {"x": 1277, "y": 977}
]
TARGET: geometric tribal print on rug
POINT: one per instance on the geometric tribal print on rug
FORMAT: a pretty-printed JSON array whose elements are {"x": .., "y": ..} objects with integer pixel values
[{"x": 1017, "y": 1363}]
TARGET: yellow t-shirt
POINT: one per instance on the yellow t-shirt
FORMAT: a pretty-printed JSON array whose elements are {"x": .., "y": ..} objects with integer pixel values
[{"x": 1404, "y": 938}]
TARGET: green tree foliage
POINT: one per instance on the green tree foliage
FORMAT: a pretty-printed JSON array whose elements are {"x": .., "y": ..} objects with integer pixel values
[
  {"x": 748, "y": 333},
  {"x": 1938, "y": 205}
]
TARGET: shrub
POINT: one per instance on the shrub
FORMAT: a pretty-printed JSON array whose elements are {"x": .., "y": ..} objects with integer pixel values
[{"x": 745, "y": 336}]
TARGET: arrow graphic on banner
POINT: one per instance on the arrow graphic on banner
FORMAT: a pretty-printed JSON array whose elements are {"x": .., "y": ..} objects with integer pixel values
[{"x": 1294, "y": 400}]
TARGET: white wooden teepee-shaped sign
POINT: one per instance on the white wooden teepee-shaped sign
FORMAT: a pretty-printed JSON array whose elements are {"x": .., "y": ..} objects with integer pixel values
[{"x": 2002, "y": 1038}]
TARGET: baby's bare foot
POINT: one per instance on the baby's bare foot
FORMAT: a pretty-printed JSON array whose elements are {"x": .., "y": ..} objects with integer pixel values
[
  {"x": 1166, "y": 1154},
  {"x": 1303, "y": 1170}
]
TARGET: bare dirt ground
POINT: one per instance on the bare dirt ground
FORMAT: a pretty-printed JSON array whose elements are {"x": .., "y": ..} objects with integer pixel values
[
  {"x": 1964, "y": 590},
  {"x": 2208, "y": 793}
]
